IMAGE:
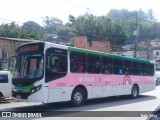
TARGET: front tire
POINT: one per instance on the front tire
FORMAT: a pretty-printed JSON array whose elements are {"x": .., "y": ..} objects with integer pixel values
[
  {"x": 78, "y": 97},
  {"x": 135, "y": 91}
]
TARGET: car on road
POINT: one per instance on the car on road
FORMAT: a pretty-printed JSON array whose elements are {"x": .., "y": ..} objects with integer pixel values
[
  {"x": 5, "y": 85},
  {"x": 157, "y": 77}
]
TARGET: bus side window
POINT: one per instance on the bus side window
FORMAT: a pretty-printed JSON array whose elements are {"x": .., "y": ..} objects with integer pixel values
[
  {"x": 127, "y": 67},
  {"x": 93, "y": 63},
  {"x": 150, "y": 69},
  {"x": 77, "y": 62},
  {"x": 106, "y": 65},
  {"x": 136, "y": 68},
  {"x": 117, "y": 66}
]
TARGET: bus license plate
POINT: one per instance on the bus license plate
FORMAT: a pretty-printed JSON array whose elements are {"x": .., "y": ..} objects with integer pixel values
[{"x": 18, "y": 96}]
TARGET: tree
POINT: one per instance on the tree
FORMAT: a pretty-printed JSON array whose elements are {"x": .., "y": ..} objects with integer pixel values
[
  {"x": 72, "y": 19},
  {"x": 101, "y": 28},
  {"x": 51, "y": 24},
  {"x": 10, "y": 30},
  {"x": 150, "y": 14},
  {"x": 64, "y": 33},
  {"x": 32, "y": 30}
]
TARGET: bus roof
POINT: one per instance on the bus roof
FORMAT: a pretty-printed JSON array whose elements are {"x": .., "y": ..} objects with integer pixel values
[
  {"x": 106, "y": 54},
  {"x": 92, "y": 52}
]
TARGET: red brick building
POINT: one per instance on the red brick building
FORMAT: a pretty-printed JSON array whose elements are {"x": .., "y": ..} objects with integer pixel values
[
  {"x": 102, "y": 46},
  {"x": 7, "y": 49}
]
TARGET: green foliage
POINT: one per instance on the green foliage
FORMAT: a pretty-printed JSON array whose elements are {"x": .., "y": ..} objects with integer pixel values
[
  {"x": 10, "y": 30},
  {"x": 64, "y": 32},
  {"x": 117, "y": 27},
  {"x": 137, "y": 20},
  {"x": 32, "y": 30},
  {"x": 29, "y": 30},
  {"x": 101, "y": 28},
  {"x": 51, "y": 24}
]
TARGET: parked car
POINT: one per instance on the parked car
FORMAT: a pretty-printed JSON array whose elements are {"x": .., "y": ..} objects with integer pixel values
[
  {"x": 157, "y": 75},
  {"x": 5, "y": 85}
]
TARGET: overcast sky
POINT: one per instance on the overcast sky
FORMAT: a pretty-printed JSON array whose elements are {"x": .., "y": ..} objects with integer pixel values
[{"x": 25, "y": 10}]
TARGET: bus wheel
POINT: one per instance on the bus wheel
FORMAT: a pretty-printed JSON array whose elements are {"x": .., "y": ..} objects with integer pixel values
[
  {"x": 78, "y": 97},
  {"x": 1, "y": 97},
  {"x": 135, "y": 91}
]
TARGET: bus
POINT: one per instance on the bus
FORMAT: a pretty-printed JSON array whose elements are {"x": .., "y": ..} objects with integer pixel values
[{"x": 47, "y": 72}]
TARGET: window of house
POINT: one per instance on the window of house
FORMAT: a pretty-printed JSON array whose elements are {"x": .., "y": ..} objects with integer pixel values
[
  {"x": 4, "y": 55},
  {"x": 157, "y": 53}
]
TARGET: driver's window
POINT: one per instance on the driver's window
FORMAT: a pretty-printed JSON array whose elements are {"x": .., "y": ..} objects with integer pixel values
[{"x": 56, "y": 63}]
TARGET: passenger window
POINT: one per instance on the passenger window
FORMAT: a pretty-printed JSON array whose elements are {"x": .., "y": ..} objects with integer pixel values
[
  {"x": 127, "y": 67},
  {"x": 151, "y": 69},
  {"x": 77, "y": 62},
  {"x": 106, "y": 65},
  {"x": 93, "y": 63},
  {"x": 117, "y": 66},
  {"x": 3, "y": 79},
  {"x": 136, "y": 68},
  {"x": 144, "y": 69}
]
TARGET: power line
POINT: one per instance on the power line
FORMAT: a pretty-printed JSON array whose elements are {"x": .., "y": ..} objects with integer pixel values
[
  {"x": 3, "y": 19},
  {"x": 78, "y": 6}
]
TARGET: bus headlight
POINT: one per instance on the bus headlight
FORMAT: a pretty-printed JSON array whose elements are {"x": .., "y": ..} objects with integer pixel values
[
  {"x": 13, "y": 88},
  {"x": 36, "y": 89}
]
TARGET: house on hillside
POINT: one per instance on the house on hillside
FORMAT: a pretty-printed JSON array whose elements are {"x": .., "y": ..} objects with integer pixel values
[
  {"x": 7, "y": 49},
  {"x": 97, "y": 45}
]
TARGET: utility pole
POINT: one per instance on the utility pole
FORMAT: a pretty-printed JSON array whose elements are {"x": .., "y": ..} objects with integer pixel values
[
  {"x": 135, "y": 33},
  {"x": 148, "y": 50}
]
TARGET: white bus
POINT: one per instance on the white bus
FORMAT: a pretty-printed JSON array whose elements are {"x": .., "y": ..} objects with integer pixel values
[{"x": 47, "y": 72}]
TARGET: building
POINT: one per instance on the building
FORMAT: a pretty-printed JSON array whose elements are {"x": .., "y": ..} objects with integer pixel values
[
  {"x": 97, "y": 45},
  {"x": 156, "y": 55},
  {"x": 155, "y": 43},
  {"x": 7, "y": 49},
  {"x": 128, "y": 53}
]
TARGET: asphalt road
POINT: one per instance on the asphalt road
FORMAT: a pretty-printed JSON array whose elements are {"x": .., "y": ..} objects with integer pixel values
[{"x": 111, "y": 108}]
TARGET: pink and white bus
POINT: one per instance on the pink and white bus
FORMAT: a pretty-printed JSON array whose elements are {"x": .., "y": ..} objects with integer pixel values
[{"x": 47, "y": 72}]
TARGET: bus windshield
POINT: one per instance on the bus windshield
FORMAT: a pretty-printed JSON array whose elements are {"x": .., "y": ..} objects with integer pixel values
[{"x": 29, "y": 65}]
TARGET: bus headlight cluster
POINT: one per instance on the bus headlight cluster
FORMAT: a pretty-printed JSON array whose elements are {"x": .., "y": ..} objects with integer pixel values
[
  {"x": 13, "y": 88},
  {"x": 36, "y": 89}
]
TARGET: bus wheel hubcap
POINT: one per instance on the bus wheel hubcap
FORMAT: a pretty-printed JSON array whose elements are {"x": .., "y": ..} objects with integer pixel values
[
  {"x": 134, "y": 91},
  {"x": 78, "y": 97}
]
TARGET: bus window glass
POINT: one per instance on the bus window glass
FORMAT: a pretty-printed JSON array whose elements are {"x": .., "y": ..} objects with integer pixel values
[
  {"x": 28, "y": 65},
  {"x": 106, "y": 65},
  {"x": 93, "y": 63},
  {"x": 56, "y": 63},
  {"x": 77, "y": 62},
  {"x": 117, "y": 66},
  {"x": 127, "y": 67},
  {"x": 136, "y": 68},
  {"x": 144, "y": 68},
  {"x": 151, "y": 69}
]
